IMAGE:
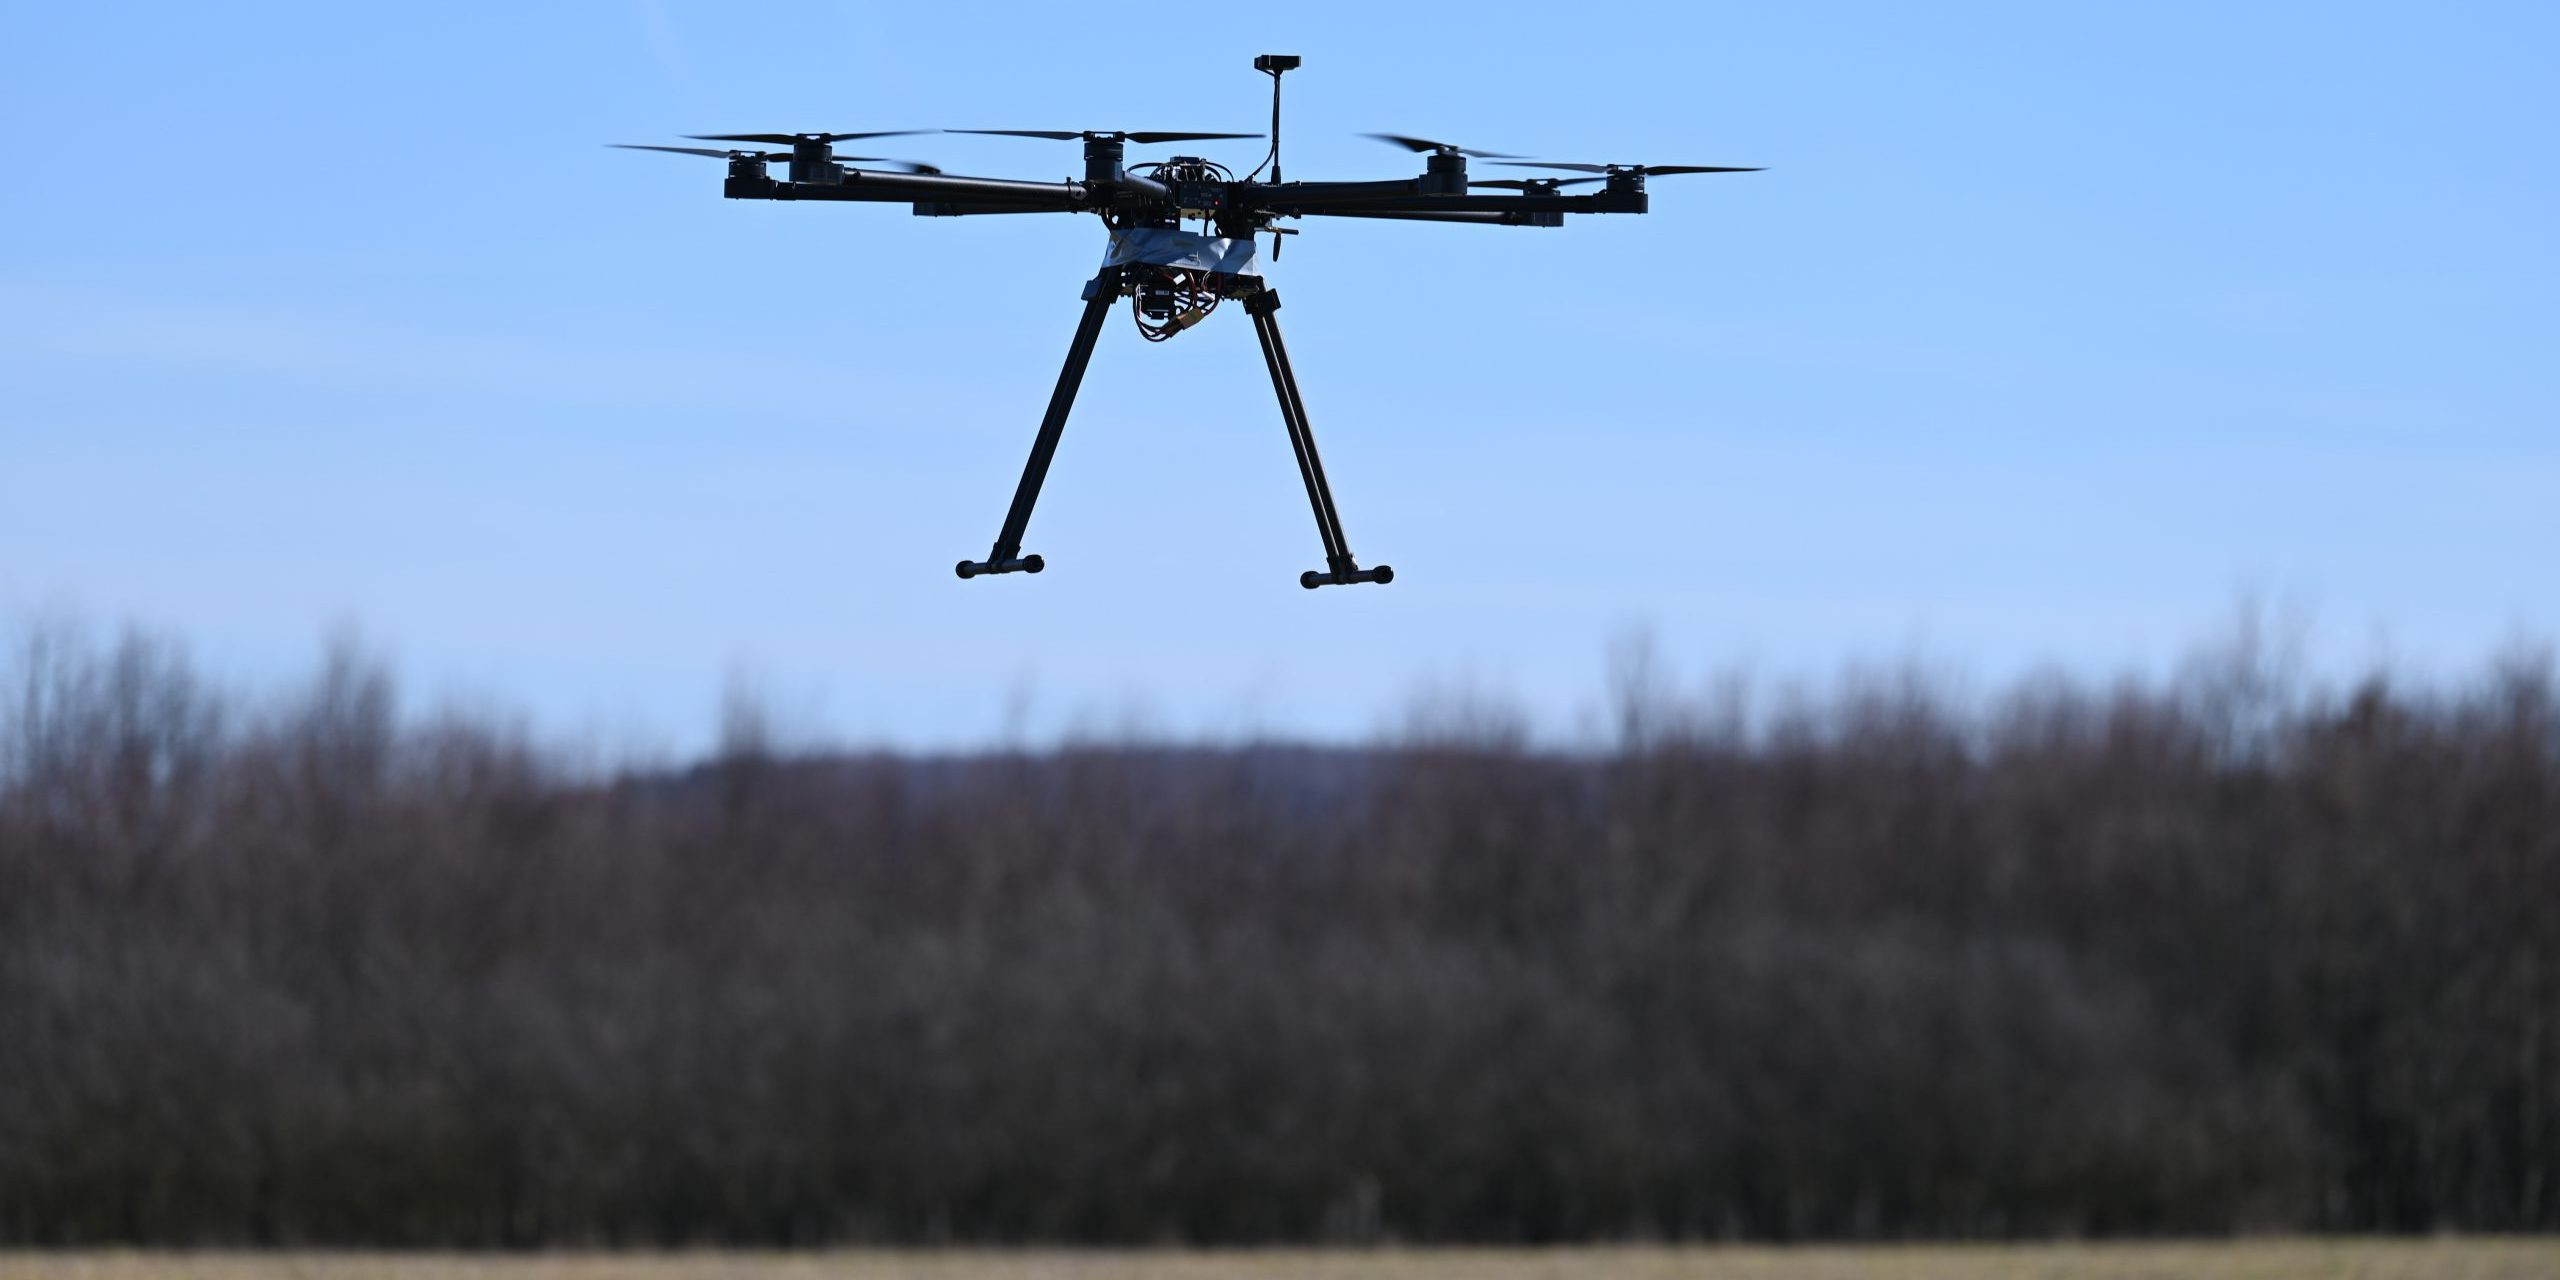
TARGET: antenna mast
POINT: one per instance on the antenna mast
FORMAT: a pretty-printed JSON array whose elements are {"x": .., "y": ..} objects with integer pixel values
[{"x": 1274, "y": 65}]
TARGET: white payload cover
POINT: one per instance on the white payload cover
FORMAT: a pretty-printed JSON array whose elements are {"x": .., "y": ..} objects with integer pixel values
[{"x": 1164, "y": 247}]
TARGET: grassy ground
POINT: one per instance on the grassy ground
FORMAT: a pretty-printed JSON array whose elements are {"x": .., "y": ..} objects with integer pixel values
[{"x": 2255, "y": 1260}]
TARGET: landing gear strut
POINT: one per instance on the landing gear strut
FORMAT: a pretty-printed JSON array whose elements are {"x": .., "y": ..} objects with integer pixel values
[
  {"x": 1007, "y": 556},
  {"x": 1105, "y": 289},
  {"x": 1340, "y": 568}
]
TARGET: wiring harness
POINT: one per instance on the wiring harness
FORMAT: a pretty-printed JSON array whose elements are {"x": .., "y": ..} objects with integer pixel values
[{"x": 1167, "y": 300}]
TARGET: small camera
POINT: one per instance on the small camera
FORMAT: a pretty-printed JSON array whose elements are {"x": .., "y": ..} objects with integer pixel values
[{"x": 1275, "y": 63}]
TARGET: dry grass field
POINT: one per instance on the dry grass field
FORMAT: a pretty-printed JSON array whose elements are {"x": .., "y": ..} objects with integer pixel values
[{"x": 2257, "y": 1260}]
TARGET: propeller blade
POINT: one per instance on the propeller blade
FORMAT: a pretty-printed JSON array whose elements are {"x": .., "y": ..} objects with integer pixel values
[
  {"x": 795, "y": 139},
  {"x": 1523, "y": 184},
  {"x": 911, "y": 166},
  {"x": 1185, "y": 137},
  {"x": 693, "y": 151},
  {"x": 1426, "y": 144},
  {"x": 1142, "y": 137},
  {"x": 1649, "y": 170}
]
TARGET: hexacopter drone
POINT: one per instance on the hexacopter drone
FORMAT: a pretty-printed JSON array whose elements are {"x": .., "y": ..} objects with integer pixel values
[{"x": 1172, "y": 277}]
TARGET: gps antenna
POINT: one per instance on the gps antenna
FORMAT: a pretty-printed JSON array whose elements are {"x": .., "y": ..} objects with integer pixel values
[{"x": 1273, "y": 65}]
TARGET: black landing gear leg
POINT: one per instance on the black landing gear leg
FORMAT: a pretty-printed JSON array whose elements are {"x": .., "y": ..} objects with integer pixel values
[
  {"x": 1340, "y": 568},
  {"x": 1007, "y": 556}
]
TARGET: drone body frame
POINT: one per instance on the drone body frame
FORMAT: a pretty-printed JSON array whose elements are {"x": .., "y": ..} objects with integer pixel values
[{"x": 1175, "y": 278}]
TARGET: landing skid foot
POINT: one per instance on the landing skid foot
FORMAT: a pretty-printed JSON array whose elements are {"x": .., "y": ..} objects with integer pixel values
[
  {"x": 1382, "y": 575},
  {"x": 1026, "y": 564}
]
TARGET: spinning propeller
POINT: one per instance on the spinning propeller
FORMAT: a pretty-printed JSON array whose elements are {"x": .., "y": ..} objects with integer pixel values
[
  {"x": 1605, "y": 170},
  {"x": 800, "y": 139},
  {"x": 1104, "y": 135},
  {"x": 910, "y": 166},
  {"x": 1444, "y": 148}
]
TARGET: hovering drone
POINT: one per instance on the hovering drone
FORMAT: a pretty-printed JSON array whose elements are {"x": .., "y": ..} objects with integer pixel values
[{"x": 1175, "y": 278}]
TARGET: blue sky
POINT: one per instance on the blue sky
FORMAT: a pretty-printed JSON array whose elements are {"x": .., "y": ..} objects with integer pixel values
[{"x": 2050, "y": 331}]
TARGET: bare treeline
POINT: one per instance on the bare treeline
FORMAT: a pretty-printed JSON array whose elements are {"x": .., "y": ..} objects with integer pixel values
[{"x": 2222, "y": 953}]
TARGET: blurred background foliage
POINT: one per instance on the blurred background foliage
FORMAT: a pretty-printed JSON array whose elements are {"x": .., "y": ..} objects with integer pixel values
[{"x": 2225, "y": 952}]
